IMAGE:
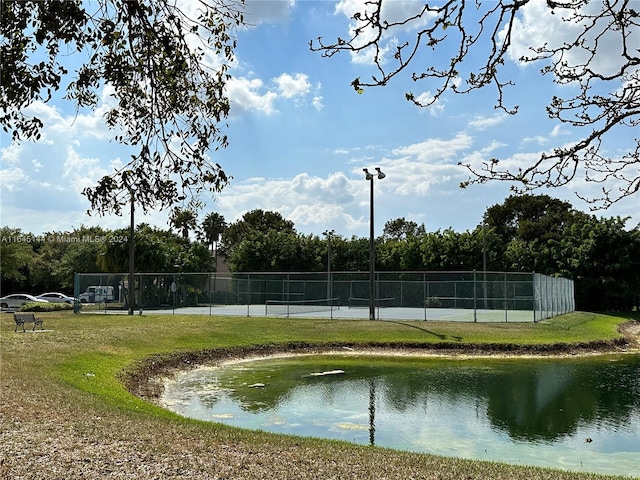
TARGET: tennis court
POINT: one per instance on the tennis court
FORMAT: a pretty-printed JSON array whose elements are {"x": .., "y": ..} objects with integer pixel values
[
  {"x": 343, "y": 313},
  {"x": 418, "y": 296}
]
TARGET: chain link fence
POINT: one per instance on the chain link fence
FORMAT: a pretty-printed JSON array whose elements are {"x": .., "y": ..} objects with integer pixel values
[{"x": 466, "y": 296}]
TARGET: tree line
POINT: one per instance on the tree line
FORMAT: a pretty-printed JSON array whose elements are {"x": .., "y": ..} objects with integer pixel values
[{"x": 525, "y": 233}]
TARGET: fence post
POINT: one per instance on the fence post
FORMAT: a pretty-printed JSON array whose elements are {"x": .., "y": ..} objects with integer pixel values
[
  {"x": 534, "y": 282},
  {"x": 475, "y": 297},
  {"x": 506, "y": 304},
  {"x": 426, "y": 298},
  {"x": 249, "y": 297}
]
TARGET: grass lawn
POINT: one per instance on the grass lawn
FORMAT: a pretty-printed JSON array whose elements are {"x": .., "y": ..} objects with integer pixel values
[{"x": 65, "y": 412}]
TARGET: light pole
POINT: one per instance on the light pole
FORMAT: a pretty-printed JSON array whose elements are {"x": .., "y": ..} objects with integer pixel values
[
  {"x": 132, "y": 248},
  {"x": 484, "y": 262},
  {"x": 372, "y": 254}
]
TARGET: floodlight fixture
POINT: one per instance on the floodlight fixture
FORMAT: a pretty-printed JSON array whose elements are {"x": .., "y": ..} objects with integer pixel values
[{"x": 372, "y": 254}]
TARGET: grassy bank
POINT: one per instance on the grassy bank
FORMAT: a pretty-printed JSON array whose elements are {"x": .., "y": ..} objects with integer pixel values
[{"x": 66, "y": 413}]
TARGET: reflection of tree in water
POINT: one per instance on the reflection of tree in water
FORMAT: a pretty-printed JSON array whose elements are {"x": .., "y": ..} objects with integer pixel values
[
  {"x": 263, "y": 387},
  {"x": 550, "y": 399},
  {"x": 452, "y": 382},
  {"x": 534, "y": 400}
]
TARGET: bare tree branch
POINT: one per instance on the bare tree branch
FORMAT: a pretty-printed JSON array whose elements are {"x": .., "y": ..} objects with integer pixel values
[{"x": 444, "y": 39}]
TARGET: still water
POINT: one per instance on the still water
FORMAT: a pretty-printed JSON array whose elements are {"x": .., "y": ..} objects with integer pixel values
[{"x": 574, "y": 414}]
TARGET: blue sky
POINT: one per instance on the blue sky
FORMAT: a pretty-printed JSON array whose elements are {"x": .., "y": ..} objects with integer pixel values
[{"x": 300, "y": 136}]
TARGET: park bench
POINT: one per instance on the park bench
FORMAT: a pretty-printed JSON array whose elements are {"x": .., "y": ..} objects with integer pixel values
[{"x": 22, "y": 318}]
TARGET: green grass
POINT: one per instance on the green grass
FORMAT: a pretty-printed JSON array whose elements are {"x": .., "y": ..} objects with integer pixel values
[{"x": 74, "y": 370}]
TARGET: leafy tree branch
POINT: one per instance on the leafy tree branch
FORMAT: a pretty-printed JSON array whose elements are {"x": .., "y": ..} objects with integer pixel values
[{"x": 168, "y": 94}]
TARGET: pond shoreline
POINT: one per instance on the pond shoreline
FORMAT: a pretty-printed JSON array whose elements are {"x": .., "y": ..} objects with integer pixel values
[{"x": 146, "y": 378}]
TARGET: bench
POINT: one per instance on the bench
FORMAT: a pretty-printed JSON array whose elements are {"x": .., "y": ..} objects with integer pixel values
[{"x": 22, "y": 318}]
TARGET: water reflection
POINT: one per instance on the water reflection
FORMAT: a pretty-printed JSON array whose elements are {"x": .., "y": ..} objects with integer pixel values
[{"x": 534, "y": 411}]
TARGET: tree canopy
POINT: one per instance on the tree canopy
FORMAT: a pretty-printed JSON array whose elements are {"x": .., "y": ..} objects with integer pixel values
[
  {"x": 211, "y": 229},
  {"x": 530, "y": 217},
  {"x": 459, "y": 46},
  {"x": 184, "y": 220},
  {"x": 523, "y": 234},
  {"x": 165, "y": 67}
]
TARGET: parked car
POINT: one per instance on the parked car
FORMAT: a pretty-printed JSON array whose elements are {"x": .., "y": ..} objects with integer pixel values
[
  {"x": 56, "y": 297},
  {"x": 16, "y": 300}
]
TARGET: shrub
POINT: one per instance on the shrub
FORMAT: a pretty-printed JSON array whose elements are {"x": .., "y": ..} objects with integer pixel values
[{"x": 45, "y": 307}]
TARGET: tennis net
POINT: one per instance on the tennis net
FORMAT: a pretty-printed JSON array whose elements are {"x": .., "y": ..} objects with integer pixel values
[
  {"x": 363, "y": 302},
  {"x": 293, "y": 307}
]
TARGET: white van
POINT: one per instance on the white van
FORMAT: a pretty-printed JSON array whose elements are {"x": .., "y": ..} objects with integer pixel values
[{"x": 97, "y": 294}]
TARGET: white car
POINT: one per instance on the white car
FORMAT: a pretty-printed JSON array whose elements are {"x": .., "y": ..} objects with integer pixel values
[
  {"x": 16, "y": 300},
  {"x": 56, "y": 297}
]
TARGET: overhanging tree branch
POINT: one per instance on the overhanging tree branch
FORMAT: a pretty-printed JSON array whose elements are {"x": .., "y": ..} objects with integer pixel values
[
  {"x": 442, "y": 42},
  {"x": 169, "y": 101}
]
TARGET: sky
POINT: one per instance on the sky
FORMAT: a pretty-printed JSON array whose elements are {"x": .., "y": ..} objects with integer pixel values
[{"x": 300, "y": 136}]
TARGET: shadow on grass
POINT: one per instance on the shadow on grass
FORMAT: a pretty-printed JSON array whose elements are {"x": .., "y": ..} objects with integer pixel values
[{"x": 437, "y": 335}]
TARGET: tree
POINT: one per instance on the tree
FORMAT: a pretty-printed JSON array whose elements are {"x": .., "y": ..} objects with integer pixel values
[
  {"x": 530, "y": 217},
  {"x": 169, "y": 98},
  {"x": 401, "y": 229},
  {"x": 255, "y": 221},
  {"x": 442, "y": 42},
  {"x": 272, "y": 251},
  {"x": 603, "y": 258},
  {"x": 183, "y": 219},
  {"x": 15, "y": 253},
  {"x": 546, "y": 235},
  {"x": 62, "y": 254},
  {"x": 156, "y": 251},
  {"x": 82, "y": 258},
  {"x": 252, "y": 242},
  {"x": 211, "y": 229}
]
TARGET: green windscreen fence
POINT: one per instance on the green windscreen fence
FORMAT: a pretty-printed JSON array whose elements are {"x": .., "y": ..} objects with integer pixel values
[{"x": 470, "y": 295}]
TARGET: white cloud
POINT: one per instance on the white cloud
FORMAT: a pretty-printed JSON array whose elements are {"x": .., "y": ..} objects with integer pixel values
[
  {"x": 83, "y": 172},
  {"x": 539, "y": 139},
  {"x": 257, "y": 12},
  {"x": 317, "y": 102},
  {"x": 422, "y": 180},
  {"x": 12, "y": 179},
  {"x": 539, "y": 25},
  {"x": 11, "y": 154},
  {"x": 557, "y": 131},
  {"x": 436, "y": 108},
  {"x": 322, "y": 216},
  {"x": 307, "y": 200},
  {"x": 391, "y": 12},
  {"x": 37, "y": 166},
  {"x": 245, "y": 94},
  {"x": 481, "y": 123},
  {"x": 293, "y": 86},
  {"x": 435, "y": 150}
]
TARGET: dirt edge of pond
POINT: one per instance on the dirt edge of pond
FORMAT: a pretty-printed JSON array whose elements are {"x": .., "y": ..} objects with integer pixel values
[{"x": 145, "y": 379}]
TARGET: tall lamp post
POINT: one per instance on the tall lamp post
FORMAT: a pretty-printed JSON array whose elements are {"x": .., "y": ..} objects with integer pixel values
[
  {"x": 132, "y": 247},
  {"x": 372, "y": 253}
]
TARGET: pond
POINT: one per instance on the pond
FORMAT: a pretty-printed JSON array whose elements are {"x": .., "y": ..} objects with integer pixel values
[{"x": 579, "y": 414}]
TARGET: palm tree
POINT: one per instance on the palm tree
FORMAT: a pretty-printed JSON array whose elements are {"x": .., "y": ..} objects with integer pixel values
[
  {"x": 183, "y": 219},
  {"x": 210, "y": 231}
]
